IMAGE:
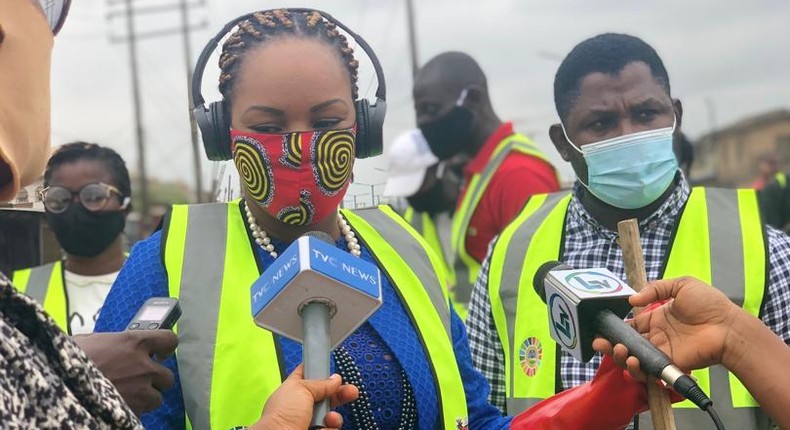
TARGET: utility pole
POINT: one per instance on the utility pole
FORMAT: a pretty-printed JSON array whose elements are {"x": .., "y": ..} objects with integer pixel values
[
  {"x": 372, "y": 191},
  {"x": 711, "y": 108},
  {"x": 412, "y": 37},
  {"x": 196, "y": 153},
  {"x": 132, "y": 37},
  {"x": 712, "y": 125},
  {"x": 138, "y": 122}
]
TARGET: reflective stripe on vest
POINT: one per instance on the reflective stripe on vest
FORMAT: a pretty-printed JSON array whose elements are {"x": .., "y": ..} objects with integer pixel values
[
  {"x": 417, "y": 274},
  {"x": 414, "y": 221},
  {"x": 466, "y": 267},
  {"x": 218, "y": 339},
  {"x": 45, "y": 285},
  {"x": 732, "y": 257},
  {"x": 425, "y": 227},
  {"x": 719, "y": 240},
  {"x": 513, "y": 264},
  {"x": 781, "y": 179},
  {"x": 217, "y": 308}
]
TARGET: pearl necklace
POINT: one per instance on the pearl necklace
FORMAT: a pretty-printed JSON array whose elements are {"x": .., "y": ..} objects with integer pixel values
[{"x": 263, "y": 240}]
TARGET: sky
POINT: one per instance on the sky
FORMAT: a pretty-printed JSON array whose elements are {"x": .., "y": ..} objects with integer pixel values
[{"x": 726, "y": 59}]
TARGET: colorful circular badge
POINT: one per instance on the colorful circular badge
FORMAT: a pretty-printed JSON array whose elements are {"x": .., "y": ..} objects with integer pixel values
[{"x": 530, "y": 355}]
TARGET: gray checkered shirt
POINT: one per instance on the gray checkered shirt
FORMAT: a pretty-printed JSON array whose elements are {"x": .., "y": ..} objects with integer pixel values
[{"x": 589, "y": 244}]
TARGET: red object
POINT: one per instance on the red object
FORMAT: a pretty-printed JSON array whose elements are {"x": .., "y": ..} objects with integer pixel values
[
  {"x": 608, "y": 402},
  {"x": 651, "y": 307},
  {"x": 518, "y": 177}
]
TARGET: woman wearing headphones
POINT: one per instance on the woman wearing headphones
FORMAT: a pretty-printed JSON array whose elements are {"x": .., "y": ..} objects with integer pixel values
[{"x": 290, "y": 120}]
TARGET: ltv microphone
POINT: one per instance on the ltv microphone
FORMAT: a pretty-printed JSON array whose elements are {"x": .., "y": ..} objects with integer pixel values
[
  {"x": 584, "y": 303},
  {"x": 316, "y": 294}
]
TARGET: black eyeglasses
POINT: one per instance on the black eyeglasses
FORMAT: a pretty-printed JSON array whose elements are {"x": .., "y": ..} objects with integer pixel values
[{"x": 94, "y": 197}]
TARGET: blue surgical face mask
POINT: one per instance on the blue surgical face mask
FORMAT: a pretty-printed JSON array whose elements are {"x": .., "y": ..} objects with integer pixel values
[{"x": 630, "y": 171}]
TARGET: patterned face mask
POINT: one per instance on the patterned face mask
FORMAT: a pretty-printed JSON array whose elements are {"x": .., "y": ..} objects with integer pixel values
[{"x": 299, "y": 178}]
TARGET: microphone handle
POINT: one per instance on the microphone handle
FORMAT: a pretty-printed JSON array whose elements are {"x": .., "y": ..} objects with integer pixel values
[
  {"x": 315, "y": 352},
  {"x": 615, "y": 330},
  {"x": 651, "y": 359}
]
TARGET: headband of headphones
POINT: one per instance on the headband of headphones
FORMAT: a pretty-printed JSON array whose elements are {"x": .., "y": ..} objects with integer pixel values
[{"x": 200, "y": 67}]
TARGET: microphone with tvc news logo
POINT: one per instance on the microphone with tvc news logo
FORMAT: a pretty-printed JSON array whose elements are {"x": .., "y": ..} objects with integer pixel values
[
  {"x": 584, "y": 303},
  {"x": 316, "y": 294}
]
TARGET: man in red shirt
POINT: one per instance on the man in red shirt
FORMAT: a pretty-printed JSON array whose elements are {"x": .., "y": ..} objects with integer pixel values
[{"x": 455, "y": 115}]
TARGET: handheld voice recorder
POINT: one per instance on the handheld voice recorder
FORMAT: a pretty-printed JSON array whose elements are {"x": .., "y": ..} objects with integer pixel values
[{"x": 157, "y": 313}]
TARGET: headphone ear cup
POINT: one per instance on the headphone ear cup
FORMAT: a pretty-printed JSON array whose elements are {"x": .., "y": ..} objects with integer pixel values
[
  {"x": 370, "y": 128},
  {"x": 214, "y": 130},
  {"x": 221, "y": 123},
  {"x": 203, "y": 120},
  {"x": 363, "y": 140}
]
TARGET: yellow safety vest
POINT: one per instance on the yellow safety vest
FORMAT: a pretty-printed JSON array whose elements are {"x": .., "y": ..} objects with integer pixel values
[
  {"x": 781, "y": 179},
  {"x": 45, "y": 285},
  {"x": 210, "y": 264},
  {"x": 424, "y": 225},
  {"x": 719, "y": 239},
  {"x": 466, "y": 267}
]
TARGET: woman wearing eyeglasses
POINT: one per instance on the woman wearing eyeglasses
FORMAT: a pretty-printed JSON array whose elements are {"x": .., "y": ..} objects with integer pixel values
[{"x": 86, "y": 197}]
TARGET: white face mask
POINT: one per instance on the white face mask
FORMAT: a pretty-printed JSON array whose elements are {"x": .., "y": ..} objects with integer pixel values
[{"x": 630, "y": 171}]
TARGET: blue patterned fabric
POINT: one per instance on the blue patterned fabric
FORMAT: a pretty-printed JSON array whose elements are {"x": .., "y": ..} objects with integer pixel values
[
  {"x": 141, "y": 278},
  {"x": 379, "y": 347}
]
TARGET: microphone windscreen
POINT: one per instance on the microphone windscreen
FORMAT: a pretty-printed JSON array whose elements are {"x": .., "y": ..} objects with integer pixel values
[
  {"x": 539, "y": 281},
  {"x": 320, "y": 235}
]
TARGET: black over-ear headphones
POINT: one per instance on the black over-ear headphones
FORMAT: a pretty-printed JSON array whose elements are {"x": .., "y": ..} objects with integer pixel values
[{"x": 214, "y": 121}]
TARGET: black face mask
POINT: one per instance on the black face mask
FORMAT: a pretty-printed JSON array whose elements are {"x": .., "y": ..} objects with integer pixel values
[
  {"x": 447, "y": 136},
  {"x": 84, "y": 233}
]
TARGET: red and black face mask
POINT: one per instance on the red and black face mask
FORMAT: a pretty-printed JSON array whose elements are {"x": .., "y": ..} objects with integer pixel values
[{"x": 299, "y": 178}]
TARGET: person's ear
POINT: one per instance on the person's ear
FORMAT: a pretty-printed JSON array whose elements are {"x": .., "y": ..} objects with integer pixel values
[
  {"x": 475, "y": 96},
  {"x": 568, "y": 152},
  {"x": 126, "y": 205},
  {"x": 678, "y": 107},
  {"x": 560, "y": 141}
]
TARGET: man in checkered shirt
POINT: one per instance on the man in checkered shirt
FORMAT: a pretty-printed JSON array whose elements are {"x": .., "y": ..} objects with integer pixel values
[{"x": 608, "y": 86}]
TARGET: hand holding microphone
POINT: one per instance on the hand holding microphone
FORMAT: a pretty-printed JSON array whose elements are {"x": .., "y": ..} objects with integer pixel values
[
  {"x": 590, "y": 302},
  {"x": 699, "y": 327},
  {"x": 692, "y": 329},
  {"x": 316, "y": 294},
  {"x": 290, "y": 406}
]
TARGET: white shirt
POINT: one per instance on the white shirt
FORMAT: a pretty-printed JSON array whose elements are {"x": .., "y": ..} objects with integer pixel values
[{"x": 86, "y": 296}]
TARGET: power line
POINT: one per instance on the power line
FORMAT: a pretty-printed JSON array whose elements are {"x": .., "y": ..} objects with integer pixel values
[
  {"x": 167, "y": 109},
  {"x": 131, "y": 39},
  {"x": 193, "y": 134},
  {"x": 415, "y": 64},
  {"x": 154, "y": 9}
]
